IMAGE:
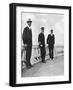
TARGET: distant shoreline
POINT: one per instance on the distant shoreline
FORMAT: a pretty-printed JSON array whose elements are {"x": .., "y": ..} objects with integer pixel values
[{"x": 58, "y": 46}]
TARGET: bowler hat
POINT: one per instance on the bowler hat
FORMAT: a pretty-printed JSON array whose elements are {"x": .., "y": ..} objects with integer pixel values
[
  {"x": 42, "y": 28},
  {"x": 29, "y": 20},
  {"x": 51, "y": 29}
]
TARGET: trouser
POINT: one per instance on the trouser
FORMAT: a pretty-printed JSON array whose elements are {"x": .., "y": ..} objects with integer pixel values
[
  {"x": 28, "y": 55},
  {"x": 51, "y": 52},
  {"x": 43, "y": 52}
]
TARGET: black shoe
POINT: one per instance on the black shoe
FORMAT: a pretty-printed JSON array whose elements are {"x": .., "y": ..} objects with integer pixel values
[
  {"x": 28, "y": 67},
  {"x": 51, "y": 58},
  {"x": 31, "y": 65},
  {"x": 44, "y": 61}
]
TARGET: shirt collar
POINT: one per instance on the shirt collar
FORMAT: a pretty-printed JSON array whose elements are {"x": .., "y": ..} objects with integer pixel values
[
  {"x": 51, "y": 34},
  {"x": 29, "y": 27}
]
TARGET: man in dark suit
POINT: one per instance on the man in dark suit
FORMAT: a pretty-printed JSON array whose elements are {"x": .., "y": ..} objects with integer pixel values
[
  {"x": 27, "y": 41},
  {"x": 41, "y": 41},
  {"x": 51, "y": 42}
]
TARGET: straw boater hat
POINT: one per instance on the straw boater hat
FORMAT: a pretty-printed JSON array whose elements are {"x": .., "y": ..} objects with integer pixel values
[{"x": 29, "y": 20}]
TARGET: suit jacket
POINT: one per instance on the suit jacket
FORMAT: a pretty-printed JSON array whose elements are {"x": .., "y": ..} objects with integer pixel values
[
  {"x": 51, "y": 40},
  {"x": 41, "y": 39},
  {"x": 27, "y": 36}
]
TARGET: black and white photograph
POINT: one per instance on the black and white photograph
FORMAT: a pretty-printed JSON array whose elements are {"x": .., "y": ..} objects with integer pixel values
[
  {"x": 42, "y": 44},
  {"x": 42, "y": 49}
]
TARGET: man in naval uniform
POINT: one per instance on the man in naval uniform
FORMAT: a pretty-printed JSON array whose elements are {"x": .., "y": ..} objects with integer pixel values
[
  {"x": 51, "y": 42},
  {"x": 41, "y": 41}
]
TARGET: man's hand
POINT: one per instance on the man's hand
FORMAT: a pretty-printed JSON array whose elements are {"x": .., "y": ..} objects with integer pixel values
[
  {"x": 41, "y": 45},
  {"x": 47, "y": 45},
  {"x": 25, "y": 45}
]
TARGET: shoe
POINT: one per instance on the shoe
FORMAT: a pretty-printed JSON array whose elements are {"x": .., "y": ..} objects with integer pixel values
[
  {"x": 28, "y": 67},
  {"x": 51, "y": 58},
  {"x": 43, "y": 61},
  {"x": 31, "y": 65}
]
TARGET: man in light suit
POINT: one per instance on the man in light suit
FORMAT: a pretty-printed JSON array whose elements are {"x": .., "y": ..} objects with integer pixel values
[{"x": 27, "y": 41}]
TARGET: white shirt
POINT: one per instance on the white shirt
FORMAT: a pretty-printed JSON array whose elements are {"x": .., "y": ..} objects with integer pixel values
[
  {"x": 29, "y": 27},
  {"x": 51, "y": 34}
]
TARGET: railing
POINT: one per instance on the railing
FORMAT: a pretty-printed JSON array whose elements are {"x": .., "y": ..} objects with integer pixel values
[{"x": 35, "y": 56}]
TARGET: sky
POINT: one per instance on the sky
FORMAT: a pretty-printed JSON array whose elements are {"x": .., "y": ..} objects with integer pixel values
[{"x": 49, "y": 21}]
